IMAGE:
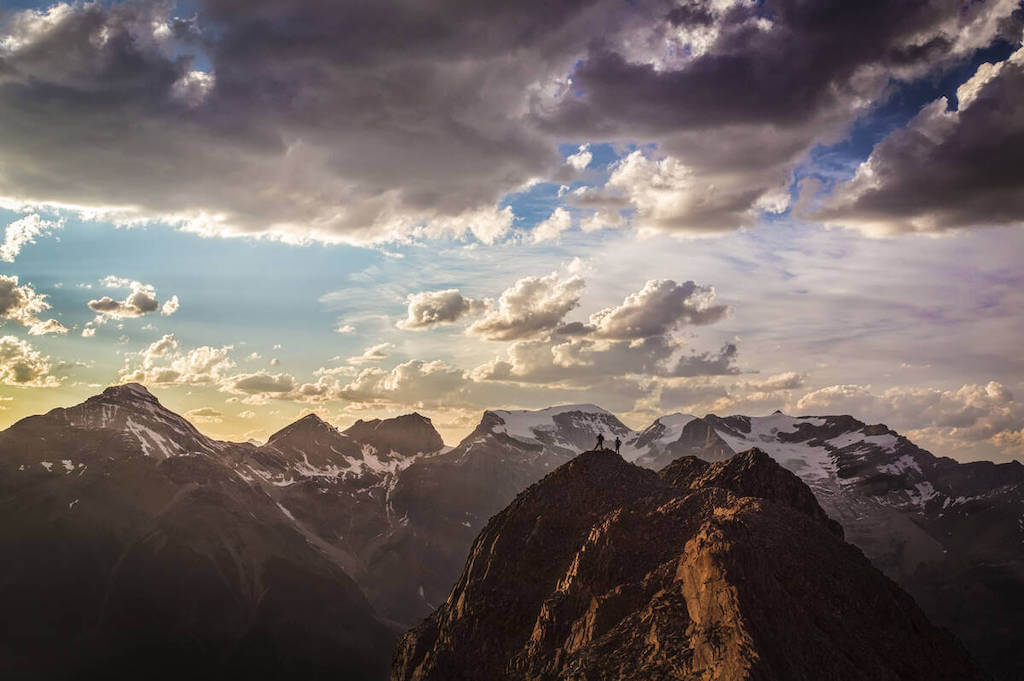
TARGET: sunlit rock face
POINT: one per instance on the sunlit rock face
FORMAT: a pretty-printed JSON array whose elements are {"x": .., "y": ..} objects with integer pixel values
[{"x": 604, "y": 570}]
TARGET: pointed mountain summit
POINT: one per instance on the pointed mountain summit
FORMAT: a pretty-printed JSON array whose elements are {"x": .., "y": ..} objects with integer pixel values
[
  {"x": 127, "y": 393},
  {"x": 122, "y": 421},
  {"x": 948, "y": 532},
  {"x": 603, "y": 570},
  {"x": 689, "y": 436},
  {"x": 664, "y": 431},
  {"x": 749, "y": 474},
  {"x": 307, "y": 430},
  {"x": 306, "y": 447}
]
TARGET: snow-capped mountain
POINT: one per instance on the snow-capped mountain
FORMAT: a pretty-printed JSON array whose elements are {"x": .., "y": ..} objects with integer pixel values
[
  {"x": 335, "y": 487},
  {"x": 952, "y": 534},
  {"x": 124, "y": 420},
  {"x": 311, "y": 448},
  {"x": 564, "y": 430},
  {"x": 663, "y": 432}
]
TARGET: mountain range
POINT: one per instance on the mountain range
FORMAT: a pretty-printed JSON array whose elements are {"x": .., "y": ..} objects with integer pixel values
[{"x": 122, "y": 523}]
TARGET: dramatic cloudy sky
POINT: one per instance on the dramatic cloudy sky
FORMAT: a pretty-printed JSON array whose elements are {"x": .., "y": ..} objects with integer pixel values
[{"x": 267, "y": 207}]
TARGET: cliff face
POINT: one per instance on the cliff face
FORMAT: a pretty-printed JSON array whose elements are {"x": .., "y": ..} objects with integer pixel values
[{"x": 604, "y": 570}]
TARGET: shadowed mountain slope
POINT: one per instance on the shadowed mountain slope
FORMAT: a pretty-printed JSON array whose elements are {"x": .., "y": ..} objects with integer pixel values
[{"x": 129, "y": 548}]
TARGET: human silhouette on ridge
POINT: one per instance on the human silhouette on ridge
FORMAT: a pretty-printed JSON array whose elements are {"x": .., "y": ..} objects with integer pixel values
[
  {"x": 600, "y": 440},
  {"x": 618, "y": 443}
]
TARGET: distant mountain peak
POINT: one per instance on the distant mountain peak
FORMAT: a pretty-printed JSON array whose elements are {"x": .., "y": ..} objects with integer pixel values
[
  {"x": 414, "y": 417},
  {"x": 567, "y": 428},
  {"x": 129, "y": 392},
  {"x": 408, "y": 434},
  {"x": 308, "y": 424}
]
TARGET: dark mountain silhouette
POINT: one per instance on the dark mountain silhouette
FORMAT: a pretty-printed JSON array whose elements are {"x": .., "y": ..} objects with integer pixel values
[
  {"x": 604, "y": 570},
  {"x": 407, "y": 435},
  {"x": 128, "y": 548}
]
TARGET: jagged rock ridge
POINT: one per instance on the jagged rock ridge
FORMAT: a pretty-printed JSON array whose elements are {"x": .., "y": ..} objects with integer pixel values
[
  {"x": 603, "y": 570},
  {"x": 950, "y": 533}
]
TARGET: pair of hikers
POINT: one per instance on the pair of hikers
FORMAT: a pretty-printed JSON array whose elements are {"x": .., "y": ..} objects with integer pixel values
[{"x": 600, "y": 442}]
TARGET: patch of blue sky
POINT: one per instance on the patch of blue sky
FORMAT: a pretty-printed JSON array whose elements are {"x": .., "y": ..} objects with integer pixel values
[
  {"x": 536, "y": 203},
  {"x": 259, "y": 291},
  {"x": 837, "y": 162},
  {"x": 831, "y": 164}
]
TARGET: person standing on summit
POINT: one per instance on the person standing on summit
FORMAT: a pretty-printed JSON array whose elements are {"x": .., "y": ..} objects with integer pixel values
[
  {"x": 618, "y": 443},
  {"x": 600, "y": 441}
]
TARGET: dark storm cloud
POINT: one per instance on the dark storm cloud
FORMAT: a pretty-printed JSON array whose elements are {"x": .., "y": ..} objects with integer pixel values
[
  {"x": 314, "y": 118},
  {"x": 375, "y": 121},
  {"x": 757, "y": 86},
  {"x": 781, "y": 63},
  {"x": 946, "y": 169}
]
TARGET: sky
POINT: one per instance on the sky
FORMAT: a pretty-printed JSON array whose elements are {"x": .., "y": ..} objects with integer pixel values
[{"x": 261, "y": 209}]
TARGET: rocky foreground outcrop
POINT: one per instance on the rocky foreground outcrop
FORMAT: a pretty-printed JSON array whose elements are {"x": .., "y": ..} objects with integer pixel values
[{"x": 605, "y": 570}]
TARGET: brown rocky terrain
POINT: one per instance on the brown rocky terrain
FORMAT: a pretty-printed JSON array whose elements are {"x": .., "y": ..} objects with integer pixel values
[{"x": 605, "y": 570}]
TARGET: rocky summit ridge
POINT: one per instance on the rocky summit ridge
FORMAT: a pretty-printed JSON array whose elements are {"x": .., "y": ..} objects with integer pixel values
[{"x": 606, "y": 570}]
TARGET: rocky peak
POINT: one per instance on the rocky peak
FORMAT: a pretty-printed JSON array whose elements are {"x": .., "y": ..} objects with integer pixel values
[
  {"x": 127, "y": 394},
  {"x": 312, "y": 444},
  {"x": 695, "y": 437},
  {"x": 603, "y": 570},
  {"x": 307, "y": 426},
  {"x": 750, "y": 474},
  {"x": 407, "y": 435},
  {"x": 665, "y": 429}
]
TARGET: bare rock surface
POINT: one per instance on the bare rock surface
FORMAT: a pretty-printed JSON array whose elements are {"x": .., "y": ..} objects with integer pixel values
[{"x": 604, "y": 570}]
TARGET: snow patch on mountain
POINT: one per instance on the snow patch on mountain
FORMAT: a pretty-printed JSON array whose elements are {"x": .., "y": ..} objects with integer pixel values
[
  {"x": 663, "y": 432},
  {"x": 526, "y": 425},
  {"x": 813, "y": 463},
  {"x": 673, "y": 424}
]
